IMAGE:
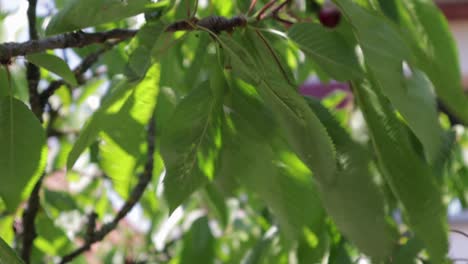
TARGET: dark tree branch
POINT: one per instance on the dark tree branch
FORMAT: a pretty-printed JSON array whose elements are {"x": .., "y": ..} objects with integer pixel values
[
  {"x": 454, "y": 120},
  {"x": 85, "y": 65},
  {"x": 68, "y": 40},
  {"x": 137, "y": 192},
  {"x": 91, "y": 228},
  {"x": 32, "y": 19},
  {"x": 33, "y": 204},
  {"x": 215, "y": 24},
  {"x": 28, "y": 219},
  {"x": 32, "y": 71}
]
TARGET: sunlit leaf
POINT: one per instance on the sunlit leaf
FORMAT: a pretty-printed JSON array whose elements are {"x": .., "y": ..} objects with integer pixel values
[
  {"x": 8, "y": 255},
  {"x": 118, "y": 95},
  {"x": 123, "y": 133},
  {"x": 111, "y": 104},
  {"x": 303, "y": 131},
  {"x": 253, "y": 158},
  {"x": 51, "y": 239},
  {"x": 6, "y": 232}
]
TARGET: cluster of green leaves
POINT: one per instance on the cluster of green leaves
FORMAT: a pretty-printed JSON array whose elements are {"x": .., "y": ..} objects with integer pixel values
[{"x": 251, "y": 170}]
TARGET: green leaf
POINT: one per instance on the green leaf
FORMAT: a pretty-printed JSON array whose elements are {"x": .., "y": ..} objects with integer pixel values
[
  {"x": 408, "y": 253},
  {"x": 199, "y": 243},
  {"x": 314, "y": 245},
  {"x": 424, "y": 116},
  {"x": 193, "y": 72},
  {"x": 409, "y": 177},
  {"x": 4, "y": 90},
  {"x": 190, "y": 145},
  {"x": 53, "y": 64},
  {"x": 280, "y": 179},
  {"x": 8, "y": 255},
  {"x": 59, "y": 202},
  {"x": 51, "y": 239},
  {"x": 22, "y": 153},
  {"x": 274, "y": 67},
  {"x": 382, "y": 42},
  {"x": 354, "y": 201},
  {"x": 258, "y": 253},
  {"x": 440, "y": 58},
  {"x": 217, "y": 202},
  {"x": 328, "y": 49},
  {"x": 6, "y": 232},
  {"x": 89, "y": 133},
  {"x": 303, "y": 131},
  {"x": 141, "y": 48},
  {"x": 390, "y": 9},
  {"x": 123, "y": 133},
  {"x": 78, "y": 14},
  {"x": 339, "y": 254},
  {"x": 118, "y": 95},
  {"x": 165, "y": 107}
]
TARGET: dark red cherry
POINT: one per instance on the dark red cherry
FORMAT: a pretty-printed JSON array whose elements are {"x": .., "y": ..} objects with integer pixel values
[{"x": 329, "y": 17}]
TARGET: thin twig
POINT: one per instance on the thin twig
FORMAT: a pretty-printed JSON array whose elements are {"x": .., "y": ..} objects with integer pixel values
[
  {"x": 144, "y": 180},
  {"x": 265, "y": 8},
  {"x": 274, "y": 13},
  {"x": 68, "y": 40},
  {"x": 459, "y": 232},
  {"x": 251, "y": 7},
  {"x": 195, "y": 9}
]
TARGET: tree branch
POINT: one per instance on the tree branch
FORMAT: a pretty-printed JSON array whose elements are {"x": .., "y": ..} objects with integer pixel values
[
  {"x": 68, "y": 40},
  {"x": 28, "y": 220},
  {"x": 137, "y": 192},
  {"x": 33, "y": 204},
  {"x": 33, "y": 74},
  {"x": 215, "y": 24}
]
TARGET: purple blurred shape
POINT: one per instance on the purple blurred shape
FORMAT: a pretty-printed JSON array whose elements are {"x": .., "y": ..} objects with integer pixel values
[{"x": 314, "y": 88}]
